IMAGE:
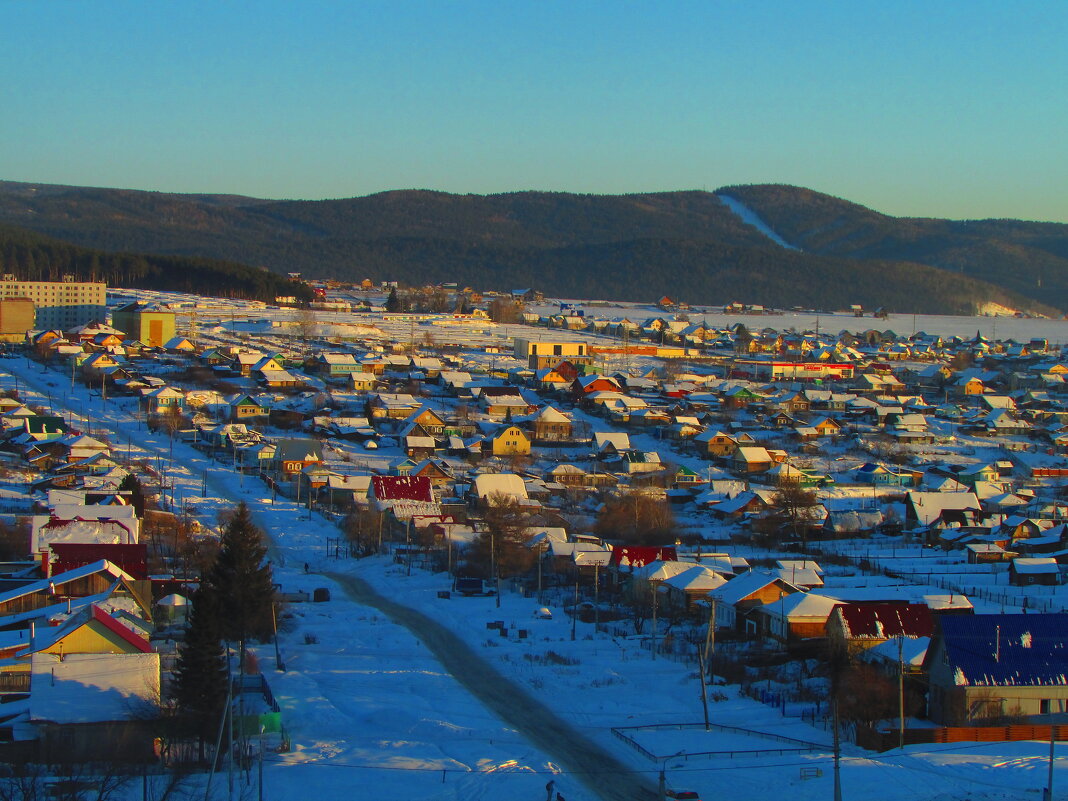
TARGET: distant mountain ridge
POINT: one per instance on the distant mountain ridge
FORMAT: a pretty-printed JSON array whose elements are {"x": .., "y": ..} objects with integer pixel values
[{"x": 689, "y": 245}]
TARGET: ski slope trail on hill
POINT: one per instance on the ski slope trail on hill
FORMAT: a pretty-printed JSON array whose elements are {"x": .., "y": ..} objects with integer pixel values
[{"x": 750, "y": 217}]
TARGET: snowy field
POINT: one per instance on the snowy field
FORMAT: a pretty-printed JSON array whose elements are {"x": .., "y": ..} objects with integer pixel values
[{"x": 1019, "y": 329}]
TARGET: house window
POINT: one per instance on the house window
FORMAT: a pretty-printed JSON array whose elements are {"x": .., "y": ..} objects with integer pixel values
[{"x": 1044, "y": 706}]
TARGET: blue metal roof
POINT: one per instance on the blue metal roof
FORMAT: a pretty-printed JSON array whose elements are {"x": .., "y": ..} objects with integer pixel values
[{"x": 1007, "y": 650}]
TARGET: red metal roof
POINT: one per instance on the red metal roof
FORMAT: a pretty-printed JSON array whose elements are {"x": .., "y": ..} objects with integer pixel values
[
  {"x": 885, "y": 621},
  {"x": 110, "y": 623},
  {"x": 402, "y": 488},
  {"x": 641, "y": 555},
  {"x": 129, "y": 557}
]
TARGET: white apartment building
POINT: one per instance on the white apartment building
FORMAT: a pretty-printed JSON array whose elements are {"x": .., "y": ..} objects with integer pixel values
[{"x": 60, "y": 304}]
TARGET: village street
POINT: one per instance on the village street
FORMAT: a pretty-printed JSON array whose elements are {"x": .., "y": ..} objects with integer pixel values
[
  {"x": 294, "y": 536},
  {"x": 576, "y": 754}
]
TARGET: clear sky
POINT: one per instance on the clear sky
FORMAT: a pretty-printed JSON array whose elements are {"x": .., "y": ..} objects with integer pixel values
[{"x": 948, "y": 109}]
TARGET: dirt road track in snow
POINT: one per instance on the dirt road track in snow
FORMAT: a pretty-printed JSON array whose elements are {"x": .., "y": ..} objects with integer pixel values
[{"x": 584, "y": 760}]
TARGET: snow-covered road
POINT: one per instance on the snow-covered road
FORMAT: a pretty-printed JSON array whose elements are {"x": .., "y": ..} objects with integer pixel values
[
  {"x": 577, "y": 755},
  {"x": 412, "y": 716}
]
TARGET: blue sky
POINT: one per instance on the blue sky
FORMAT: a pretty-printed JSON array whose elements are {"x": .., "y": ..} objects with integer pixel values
[{"x": 951, "y": 109}]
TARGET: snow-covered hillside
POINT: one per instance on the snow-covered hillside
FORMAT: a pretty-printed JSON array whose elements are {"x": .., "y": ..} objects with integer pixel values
[{"x": 750, "y": 217}]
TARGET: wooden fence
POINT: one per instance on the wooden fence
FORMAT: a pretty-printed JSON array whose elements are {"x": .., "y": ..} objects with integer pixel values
[{"x": 876, "y": 740}]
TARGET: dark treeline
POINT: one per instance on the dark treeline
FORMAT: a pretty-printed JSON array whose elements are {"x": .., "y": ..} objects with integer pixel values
[
  {"x": 697, "y": 272},
  {"x": 32, "y": 257}
]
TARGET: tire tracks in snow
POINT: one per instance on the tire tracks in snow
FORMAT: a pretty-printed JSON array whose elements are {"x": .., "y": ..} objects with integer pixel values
[{"x": 587, "y": 762}]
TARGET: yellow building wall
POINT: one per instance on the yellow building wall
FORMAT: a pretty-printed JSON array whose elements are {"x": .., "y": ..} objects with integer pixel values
[
  {"x": 92, "y": 638},
  {"x": 153, "y": 328},
  {"x": 17, "y": 316},
  {"x": 511, "y": 441}
]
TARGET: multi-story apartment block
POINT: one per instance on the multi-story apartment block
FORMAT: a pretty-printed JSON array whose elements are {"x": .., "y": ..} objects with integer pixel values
[
  {"x": 540, "y": 355},
  {"x": 60, "y": 304}
]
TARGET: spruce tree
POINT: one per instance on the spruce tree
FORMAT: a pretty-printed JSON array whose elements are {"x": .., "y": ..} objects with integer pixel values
[
  {"x": 241, "y": 581},
  {"x": 201, "y": 672},
  {"x": 132, "y": 484},
  {"x": 392, "y": 302}
]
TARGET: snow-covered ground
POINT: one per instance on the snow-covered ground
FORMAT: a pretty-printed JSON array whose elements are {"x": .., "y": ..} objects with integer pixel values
[
  {"x": 372, "y": 714},
  {"x": 265, "y": 320}
]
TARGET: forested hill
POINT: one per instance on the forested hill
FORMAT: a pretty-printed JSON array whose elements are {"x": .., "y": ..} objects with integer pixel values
[
  {"x": 1030, "y": 258},
  {"x": 688, "y": 245},
  {"x": 31, "y": 256}
]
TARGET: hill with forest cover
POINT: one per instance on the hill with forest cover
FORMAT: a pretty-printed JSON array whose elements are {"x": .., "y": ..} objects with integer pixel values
[
  {"x": 35, "y": 257},
  {"x": 689, "y": 245},
  {"x": 1029, "y": 258}
]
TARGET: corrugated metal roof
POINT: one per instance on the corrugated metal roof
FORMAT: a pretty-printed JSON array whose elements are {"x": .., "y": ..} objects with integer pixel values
[
  {"x": 1007, "y": 650},
  {"x": 886, "y": 621},
  {"x": 402, "y": 488}
]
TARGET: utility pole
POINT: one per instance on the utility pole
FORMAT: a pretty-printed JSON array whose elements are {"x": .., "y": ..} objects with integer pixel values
[
  {"x": 493, "y": 567},
  {"x": 408, "y": 544},
  {"x": 596, "y": 596},
  {"x": 1047, "y": 794},
  {"x": 574, "y": 611},
  {"x": 653, "y": 585},
  {"x": 705, "y": 661},
  {"x": 278, "y": 663},
  {"x": 260, "y": 782},
  {"x": 701, "y": 657},
  {"x": 222, "y": 728},
  {"x": 837, "y": 748},
  {"x": 541, "y": 554},
  {"x": 230, "y": 734},
  {"x": 900, "y": 692}
]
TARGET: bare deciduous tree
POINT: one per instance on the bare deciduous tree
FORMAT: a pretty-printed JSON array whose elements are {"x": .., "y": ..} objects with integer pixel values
[
  {"x": 504, "y": 542},
  {"x": 800, "y": 507},
  {"x": 638, "y": 517}
]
